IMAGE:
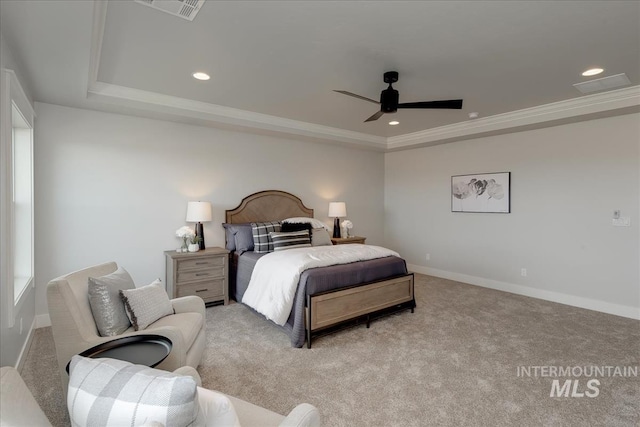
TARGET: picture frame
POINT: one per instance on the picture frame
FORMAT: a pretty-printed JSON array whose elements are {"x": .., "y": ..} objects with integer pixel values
[{"x": 481, "y": 193}]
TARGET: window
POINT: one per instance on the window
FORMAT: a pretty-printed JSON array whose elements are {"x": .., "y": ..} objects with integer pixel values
[
  {"x": 22, "y": 204},
  {"x": 16, "y": 197}
]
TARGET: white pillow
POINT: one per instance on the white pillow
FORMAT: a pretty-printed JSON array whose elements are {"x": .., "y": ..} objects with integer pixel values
[
  {"x": 109, "y": 392},
  {"x": 320, "y": 237},
  {"x": 147, "y": 304},
  {"x": 304, "y": 220}
]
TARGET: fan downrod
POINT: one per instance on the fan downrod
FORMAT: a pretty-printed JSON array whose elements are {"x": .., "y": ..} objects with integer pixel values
[{"x": 391, "y": 77}]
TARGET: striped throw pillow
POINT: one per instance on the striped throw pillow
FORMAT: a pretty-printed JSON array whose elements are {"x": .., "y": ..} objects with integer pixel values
[
  {"x": 290, "y": 240},
  {"x": 261, "y": 240}
]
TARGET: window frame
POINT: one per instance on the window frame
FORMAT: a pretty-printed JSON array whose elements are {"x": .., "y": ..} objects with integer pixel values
[{"x": 12, "y": 95}]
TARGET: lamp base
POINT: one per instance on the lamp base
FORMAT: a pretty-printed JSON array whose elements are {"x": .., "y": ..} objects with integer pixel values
[
  {"x": 336, "y": 227},
  {"x": 200, "y": 233}
]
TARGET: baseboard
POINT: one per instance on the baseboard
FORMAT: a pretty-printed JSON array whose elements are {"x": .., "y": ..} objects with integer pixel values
[
  {"x": 589, "y": 304},
  {"x": 22, "y": 357},
  {"x": 42, "y": 321}
]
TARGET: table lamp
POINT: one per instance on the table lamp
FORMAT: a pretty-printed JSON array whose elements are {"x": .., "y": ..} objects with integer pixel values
[
  {"x": 337, "y": 210},
  {"x": 199, "y": 212}
]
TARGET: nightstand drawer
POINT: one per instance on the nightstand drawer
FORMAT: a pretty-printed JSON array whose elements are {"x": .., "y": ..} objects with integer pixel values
[
  {"x": 205, "y": 290},
  {"x": 209, "y": 273},
  {"x": 200, "y": 263}
]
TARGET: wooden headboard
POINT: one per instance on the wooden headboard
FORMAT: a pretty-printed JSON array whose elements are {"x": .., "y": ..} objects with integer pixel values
[{"x": 270, "y": 205}]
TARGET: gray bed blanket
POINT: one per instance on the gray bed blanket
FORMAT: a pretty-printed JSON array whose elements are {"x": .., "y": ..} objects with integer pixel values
[{"x": 317, "y": 280}]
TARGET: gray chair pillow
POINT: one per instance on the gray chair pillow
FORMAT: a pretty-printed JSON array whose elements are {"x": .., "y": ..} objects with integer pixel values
[
  {"x": 147, "y": 304},
  {"x": 106, "y": 304}
]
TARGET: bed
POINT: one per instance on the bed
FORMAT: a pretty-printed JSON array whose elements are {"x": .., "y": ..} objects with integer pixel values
[{"x": 326, "y": 298}]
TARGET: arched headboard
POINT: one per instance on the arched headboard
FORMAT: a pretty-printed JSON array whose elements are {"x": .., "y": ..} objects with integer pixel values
[{"x": 270, "y": 205}]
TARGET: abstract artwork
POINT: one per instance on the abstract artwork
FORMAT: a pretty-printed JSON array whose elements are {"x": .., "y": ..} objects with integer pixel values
[{"x": 486, "y": 192}]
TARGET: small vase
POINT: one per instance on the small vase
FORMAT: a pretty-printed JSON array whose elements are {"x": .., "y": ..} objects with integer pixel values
[{"x": 194, "y": 247}]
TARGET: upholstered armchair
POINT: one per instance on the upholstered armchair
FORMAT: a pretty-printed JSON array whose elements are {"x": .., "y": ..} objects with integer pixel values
[
  {"x": 19, "y": 407},
  {"x": 74, "y": 328}
]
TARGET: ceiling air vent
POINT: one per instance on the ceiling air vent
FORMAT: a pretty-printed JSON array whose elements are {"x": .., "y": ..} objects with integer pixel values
[
  {"x": 186, "y": 9},
  {"x": 605, "y": 83}
]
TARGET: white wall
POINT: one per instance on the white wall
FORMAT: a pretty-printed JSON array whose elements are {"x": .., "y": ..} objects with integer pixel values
[
  {"x": 13, "y": 340},
  {"x": 114, "y": 187},
  {"x": 565, "y": 183}
]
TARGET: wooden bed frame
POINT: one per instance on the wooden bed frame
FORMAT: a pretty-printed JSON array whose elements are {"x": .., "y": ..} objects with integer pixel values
[{"x": 326, "y": 310}]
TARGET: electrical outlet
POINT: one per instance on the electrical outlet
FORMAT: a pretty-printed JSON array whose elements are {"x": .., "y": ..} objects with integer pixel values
[
  {"x": 623, "y": 221},
  {"x": 428, "y": 257},
  {"x": 523, "y": 272}
]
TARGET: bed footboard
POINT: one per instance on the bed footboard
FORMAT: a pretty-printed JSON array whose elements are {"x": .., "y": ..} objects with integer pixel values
[{"x": 331, "y": 308}]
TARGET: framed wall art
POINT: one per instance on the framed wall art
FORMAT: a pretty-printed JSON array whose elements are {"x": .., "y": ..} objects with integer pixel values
[{"x": 484, "y": 192}]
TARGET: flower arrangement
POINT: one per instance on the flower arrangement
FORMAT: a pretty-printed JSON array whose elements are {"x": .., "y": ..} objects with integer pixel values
[
  {"x": 346, "y": 226},
  {"x": 185, "y": 233}
]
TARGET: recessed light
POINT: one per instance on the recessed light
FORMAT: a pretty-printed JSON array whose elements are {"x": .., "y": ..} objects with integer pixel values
[
  {"x": 201, "y": 76},
  {"x": 592, "y": 72},
  {"x": 394, "y": 122},
  {"x": 473, "y": 115}
]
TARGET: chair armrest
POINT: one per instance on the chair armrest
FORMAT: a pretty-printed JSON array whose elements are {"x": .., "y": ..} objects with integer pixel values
[
  {"x": 189, "y": 304},
  {"x": 189, "y": 371},
  {"x": 19, "y": 407},
  {"x": 303, "y": 415}
]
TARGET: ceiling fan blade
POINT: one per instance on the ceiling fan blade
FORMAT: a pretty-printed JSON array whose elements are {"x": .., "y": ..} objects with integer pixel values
[
  {"x": 364, "y": 98},
  {"x": 376, "y": 116},
  {"x": 454, "y": 104}
]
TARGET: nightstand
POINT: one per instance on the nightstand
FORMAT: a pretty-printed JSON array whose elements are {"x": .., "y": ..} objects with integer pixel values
[
  {"x": 203, "y": 273},
  {"x": 347, "y": 240}
]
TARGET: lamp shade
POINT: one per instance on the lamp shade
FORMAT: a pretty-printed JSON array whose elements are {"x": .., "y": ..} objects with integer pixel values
[
  {"x": 337, "y": 209},
  {"x": 198, "y": 212}
]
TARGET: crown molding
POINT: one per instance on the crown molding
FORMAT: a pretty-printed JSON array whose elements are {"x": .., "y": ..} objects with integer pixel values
[
  {"x": 156, "y": 105},
  {"x": 237, "y": 118},
  {"x": 97, "y": 34},
  {"x": 562, "y": 111}
]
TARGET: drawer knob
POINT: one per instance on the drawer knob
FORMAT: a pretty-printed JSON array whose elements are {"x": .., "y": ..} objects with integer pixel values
[
  {"x": 202, "y": 262},
  {"x": 202, "y": 274},
  {"x": 202, "y": 290}
]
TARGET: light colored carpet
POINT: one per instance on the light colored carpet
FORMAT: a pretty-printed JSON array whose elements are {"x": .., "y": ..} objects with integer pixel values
[{"x": 452, "y": 362}]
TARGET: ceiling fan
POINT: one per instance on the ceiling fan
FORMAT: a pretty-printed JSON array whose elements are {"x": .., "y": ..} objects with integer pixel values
[{"x": 389, "y": 99}]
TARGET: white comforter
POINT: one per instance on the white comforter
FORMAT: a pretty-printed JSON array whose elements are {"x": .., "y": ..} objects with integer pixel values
[{"x": 275, "y": 277}]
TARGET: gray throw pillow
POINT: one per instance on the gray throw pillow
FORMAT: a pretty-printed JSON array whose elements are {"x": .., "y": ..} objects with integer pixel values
[
  {"x": 147, "y": 304},
  {"x": 320, "y": 237},
  {"x": 239, "y": 237},
  {"x": 106, "y": 304}
]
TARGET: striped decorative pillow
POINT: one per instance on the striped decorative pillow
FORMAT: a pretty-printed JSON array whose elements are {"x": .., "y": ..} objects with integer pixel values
[
  {"x": 261, "y": 240},
  {"x": 113, "y": 392},
  {"x": 290, "y": 240}
]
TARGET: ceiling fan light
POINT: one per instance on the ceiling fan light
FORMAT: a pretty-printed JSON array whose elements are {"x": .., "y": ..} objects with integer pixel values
[
  {"x": 201, "y": 76},
  {"x": 394, "y": 122},
  {"x": 592, "y": 72}
]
